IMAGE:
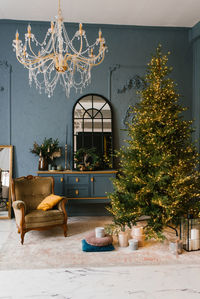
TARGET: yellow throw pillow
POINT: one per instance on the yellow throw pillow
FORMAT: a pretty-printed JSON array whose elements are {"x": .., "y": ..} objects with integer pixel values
[{"x": 48, "y": 202}]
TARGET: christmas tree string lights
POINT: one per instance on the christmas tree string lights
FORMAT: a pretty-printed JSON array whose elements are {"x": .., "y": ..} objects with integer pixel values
[{"x": 158, "y": 175}]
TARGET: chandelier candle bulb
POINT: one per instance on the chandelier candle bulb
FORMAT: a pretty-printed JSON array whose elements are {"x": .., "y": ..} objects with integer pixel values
[
  {"x": 52, "y": 27},
  {"x": 100, "y": 34},
  {"x": 99, "y": 232},
  {"x": 29, "y": 30},
  {"x": 80, "y": 29},
  {"x": 17, "y": 35}
]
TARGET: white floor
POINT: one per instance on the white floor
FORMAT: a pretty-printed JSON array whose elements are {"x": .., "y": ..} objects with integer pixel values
[{"x": 139, "y": 282}]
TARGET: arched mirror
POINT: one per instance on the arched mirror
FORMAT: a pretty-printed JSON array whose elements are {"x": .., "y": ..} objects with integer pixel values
[
  {"x": 92, "y": 133},
  {"x": 6, "y": 153}
]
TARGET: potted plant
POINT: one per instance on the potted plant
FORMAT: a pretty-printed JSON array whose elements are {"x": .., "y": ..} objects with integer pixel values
[
  {"x": 87, "y": 159},
  {"x": 47, "y": 151},
  {"x": 119, "y": 233}
]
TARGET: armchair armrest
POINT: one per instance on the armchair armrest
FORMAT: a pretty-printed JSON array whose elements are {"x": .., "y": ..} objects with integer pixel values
[
  {"x": 19, "y": 204},
  {"x": 62, "y": 203},
  {"x": 61, "y": 207},
  {"x": 19, "y": 208}
]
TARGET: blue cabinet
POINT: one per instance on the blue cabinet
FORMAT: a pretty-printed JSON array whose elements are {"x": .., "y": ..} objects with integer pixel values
[{"x": 84, "y": 185}]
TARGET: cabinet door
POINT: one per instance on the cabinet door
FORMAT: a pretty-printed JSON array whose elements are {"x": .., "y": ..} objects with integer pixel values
[
  {"x": 101, "y": 184},
  {"x": 59, "y": 185}
]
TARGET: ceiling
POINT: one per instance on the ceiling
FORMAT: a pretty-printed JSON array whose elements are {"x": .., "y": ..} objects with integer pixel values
[{"x": 181, "y": 13}]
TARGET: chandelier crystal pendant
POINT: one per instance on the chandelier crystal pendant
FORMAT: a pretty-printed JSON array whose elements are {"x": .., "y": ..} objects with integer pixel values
[{"x": 59, "y": 58}]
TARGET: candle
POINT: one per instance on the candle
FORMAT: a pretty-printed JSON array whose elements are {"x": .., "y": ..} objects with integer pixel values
[
  {"x": 66, "y": 134},
  {"x": 194, "y": 233},
  {"x": 189, "y": 245},
  {"x": 195, "y": 244},
  {"x": 133, "y": 244},
  {"x": 99, "y": 232},
  {"x": 195, "y": 238}
]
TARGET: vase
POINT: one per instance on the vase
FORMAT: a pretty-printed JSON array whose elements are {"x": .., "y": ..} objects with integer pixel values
[
  {"x": 123, "y": 239},
  {"x": 137, "y": 234},
  {"x": 115, "y": 239},
  {"x": 43, "y": 164}
]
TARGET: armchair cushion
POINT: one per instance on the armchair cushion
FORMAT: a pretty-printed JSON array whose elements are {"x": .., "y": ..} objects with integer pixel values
[
  {"x": 49, "y": 202},
  {"x": 40, "y": 218}
]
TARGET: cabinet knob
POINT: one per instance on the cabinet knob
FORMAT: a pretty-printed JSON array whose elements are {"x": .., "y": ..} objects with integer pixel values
[
  {"x": 77, "y": 179},
  {"x": 76, "y": 192},
  {"x": 61, "y": 179},
  {"x": 92, "y": 179}
]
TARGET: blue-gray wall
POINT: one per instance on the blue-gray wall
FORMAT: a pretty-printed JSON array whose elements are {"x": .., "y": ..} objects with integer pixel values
[
  {"x": 35, "y": 116},
  {"x": 195, "y": 42}
]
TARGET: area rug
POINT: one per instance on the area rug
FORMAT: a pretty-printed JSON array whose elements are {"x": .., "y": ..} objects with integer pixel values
[{"x": 49, "y": 249}]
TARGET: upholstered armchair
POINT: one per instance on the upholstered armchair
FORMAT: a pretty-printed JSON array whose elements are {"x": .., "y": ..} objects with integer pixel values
[{"x": 27, "y": 193}]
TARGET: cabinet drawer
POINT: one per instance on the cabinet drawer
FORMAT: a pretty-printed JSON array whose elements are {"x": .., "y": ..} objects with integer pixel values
[
  {"x": 77, "y": 192},
  {"x": 77, "y": 179}
]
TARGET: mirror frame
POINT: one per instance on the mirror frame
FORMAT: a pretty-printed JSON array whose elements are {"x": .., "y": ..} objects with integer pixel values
[
  {"x": 10, "y": 181},
  {"x": 111, "y": 111}
]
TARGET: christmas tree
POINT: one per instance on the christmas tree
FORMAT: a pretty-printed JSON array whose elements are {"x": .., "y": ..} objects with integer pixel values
[{"x": 158, "y": 176}]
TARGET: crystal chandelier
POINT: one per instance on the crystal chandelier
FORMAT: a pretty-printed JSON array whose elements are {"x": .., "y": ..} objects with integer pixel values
[{"x": 59, "y": 58}]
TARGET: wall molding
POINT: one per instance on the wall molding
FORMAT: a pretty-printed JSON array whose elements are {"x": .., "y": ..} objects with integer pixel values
[
  {"x": 135, "y": 82},
  {"x": 112, "y": 69}
]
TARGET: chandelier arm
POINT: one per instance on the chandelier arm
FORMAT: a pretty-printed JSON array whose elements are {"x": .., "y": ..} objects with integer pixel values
[
  {"x": 53, "y": 43},
  {"x": 103, "y": 56},
  {"x": 28, "y": 62},
  {"x": 87, "y": 60},
  {"x": 37, "y": 61},
  {"x": 81, "y": 46},
  {"x": 44, "y": 41},
  {"x": 92, "y": 59},
  {"x": 69, "y": 42},
  {"x": 29, "y": 44}
]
